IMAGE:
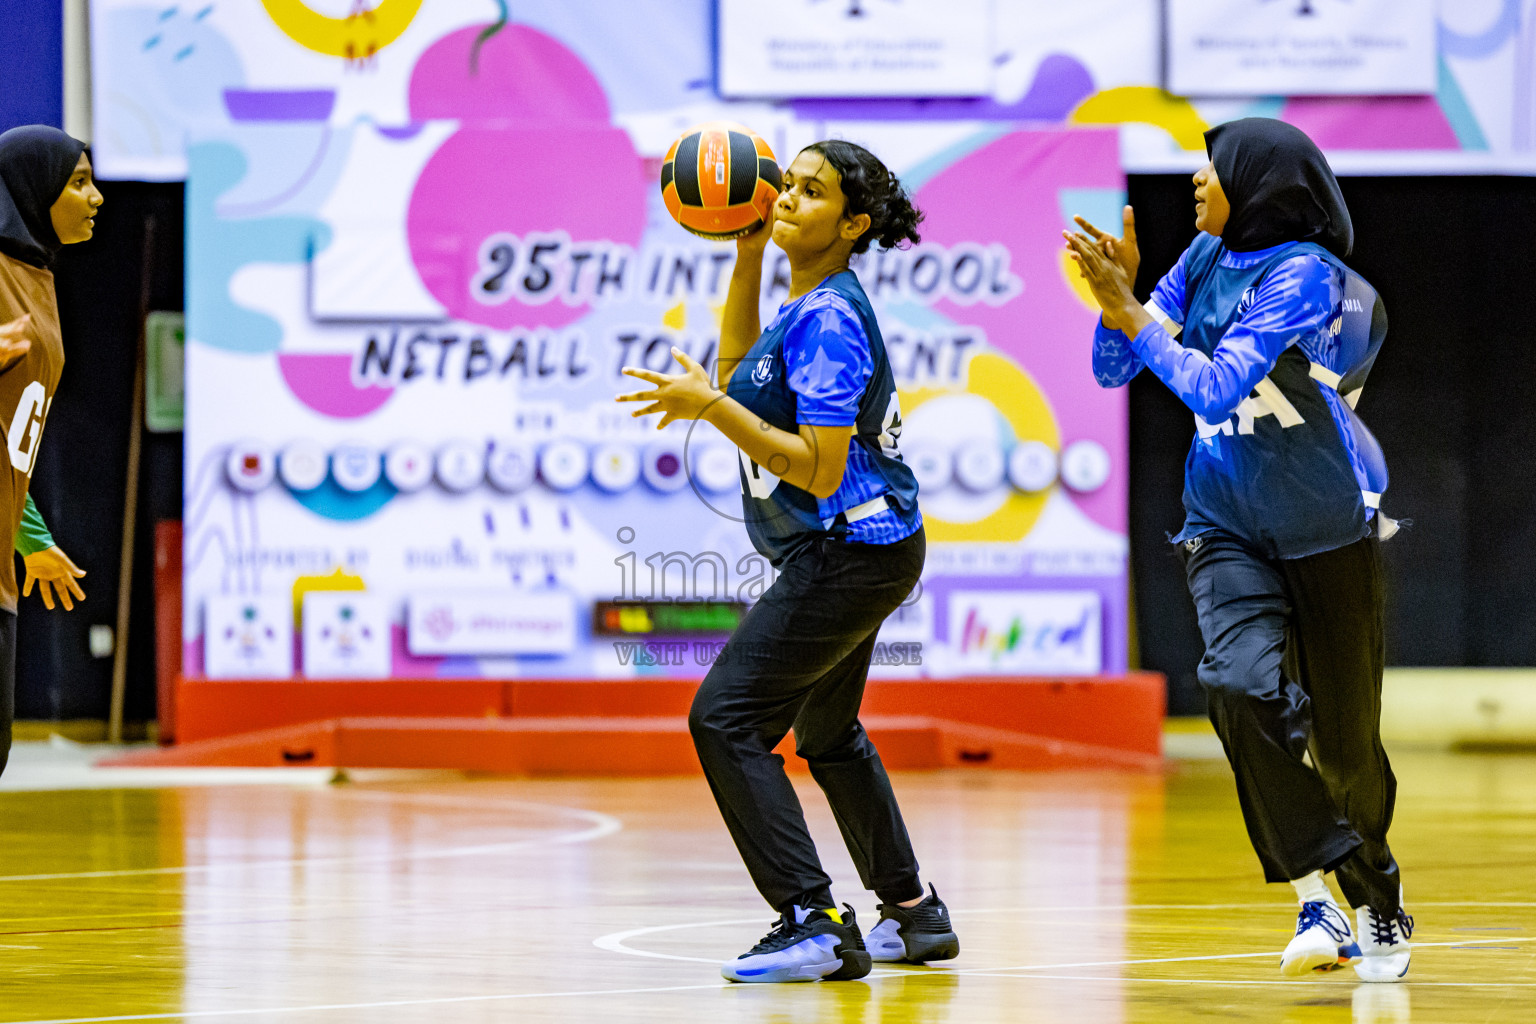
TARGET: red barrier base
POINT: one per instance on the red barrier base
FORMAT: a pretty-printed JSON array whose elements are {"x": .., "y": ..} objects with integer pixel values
[{"x": 639, "y": 726}]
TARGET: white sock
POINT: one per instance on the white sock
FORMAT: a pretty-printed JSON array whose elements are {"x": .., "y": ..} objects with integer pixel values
[{"x": 1311, "y": 888}]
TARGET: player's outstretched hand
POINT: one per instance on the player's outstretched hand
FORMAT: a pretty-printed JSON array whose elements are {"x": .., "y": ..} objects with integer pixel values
[
  {"x": 55, "y": 576},
  {"x": 677, "y": 396},
  {"x": 1123, "y": 250},
  {"x": 14, "y": 342}
]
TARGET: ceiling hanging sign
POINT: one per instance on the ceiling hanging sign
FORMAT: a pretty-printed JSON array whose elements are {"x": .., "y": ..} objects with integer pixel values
[
  {"x": 1301, "y": 47},
  {"x": 844, "y": 48}
]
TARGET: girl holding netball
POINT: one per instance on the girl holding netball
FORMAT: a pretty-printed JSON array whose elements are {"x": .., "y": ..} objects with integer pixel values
[
  {"x": 1282, "y": 529},
  {"x": 811, "y": 402}
]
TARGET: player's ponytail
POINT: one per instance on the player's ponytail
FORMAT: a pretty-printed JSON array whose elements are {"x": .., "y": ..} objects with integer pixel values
[{"x": 871, "y": 188}]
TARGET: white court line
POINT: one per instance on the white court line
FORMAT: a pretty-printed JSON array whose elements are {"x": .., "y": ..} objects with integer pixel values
[
  {"x": 442, "y": 1001},
  {"x": 878, "y": 975},
  {"x": 1195, "y": 959},
  {"x": 614, "y": 942},
  {"x": 1245, "y": 983},
  {"x": 602, "y": 825},
  {"x": 1267, "y": 905}
]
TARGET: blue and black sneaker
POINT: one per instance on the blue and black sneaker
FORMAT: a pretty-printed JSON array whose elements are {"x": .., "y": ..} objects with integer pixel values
[
  {"x": 805, "y": 945},
  {"x": 914, "y": 934}
]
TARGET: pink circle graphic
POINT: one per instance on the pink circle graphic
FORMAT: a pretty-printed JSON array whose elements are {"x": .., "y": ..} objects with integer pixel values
[
  {"x": 519, "y": 74},
  {"x": 324, "y": 383},
  {"x": 536, "y": 158}
]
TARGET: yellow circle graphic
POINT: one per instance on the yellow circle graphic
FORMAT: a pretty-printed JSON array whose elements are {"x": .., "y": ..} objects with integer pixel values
[
  {"x": 358, "y": 36},
  {"x": 1019, "y": 400}
]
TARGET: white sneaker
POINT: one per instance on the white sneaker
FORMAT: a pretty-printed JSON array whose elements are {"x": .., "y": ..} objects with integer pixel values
[
  {"x": 1323, "y": 941},
  {"x": 1385, "y": 942}
]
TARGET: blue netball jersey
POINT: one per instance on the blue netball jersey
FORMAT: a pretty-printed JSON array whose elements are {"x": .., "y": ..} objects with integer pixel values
[
  {"x": 821, "y": 361},
  {"x": 1276, "y": 347}
]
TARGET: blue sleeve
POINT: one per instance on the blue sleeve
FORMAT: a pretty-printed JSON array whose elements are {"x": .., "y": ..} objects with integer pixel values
[
  {"x": 828, "y": 362},
  {"x": 1290, "y": 303},
  {"x": 1114, "y": 361}
]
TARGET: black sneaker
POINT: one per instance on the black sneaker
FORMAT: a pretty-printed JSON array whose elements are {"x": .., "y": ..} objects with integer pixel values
[
  {"x": 914, "y": 934},
  {"x": 805, "y": 945}
]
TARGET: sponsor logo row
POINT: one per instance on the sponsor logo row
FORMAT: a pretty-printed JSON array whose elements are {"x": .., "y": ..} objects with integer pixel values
[
  {"x": 351, "y": 634},
  {"x": 564, "y": 465}
]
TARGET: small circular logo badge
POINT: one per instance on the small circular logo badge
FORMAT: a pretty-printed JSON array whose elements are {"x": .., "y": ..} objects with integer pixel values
[
  {"x": 1085, "y": 466},
  {"x": 249, "y": 466},
  {"x": 408, "y": 466},
  {"x": 355, "y": 467},
  {"x": 1032, "y": 466},
  {"x": 563, "y": 465},
  {"x": 302, "y": 466},
  {"x": 460, "y": 465},
  {"x": 615, "y": 467},
  {"x": 510, "y": 466}
]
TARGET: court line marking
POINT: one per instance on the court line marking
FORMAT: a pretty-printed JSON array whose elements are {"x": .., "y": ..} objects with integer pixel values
[
  {"x": 1218, "y": 956},
  {"x": 614, "y": 942},
  {"x": 382, "y": 1005},
  {"x": 878, "y": 975},
  {"x": 601, "y": 825},
  {"x": 1247, "y": 983}
]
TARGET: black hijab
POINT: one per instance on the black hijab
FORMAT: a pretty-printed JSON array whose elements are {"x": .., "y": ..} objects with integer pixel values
[
  {"x": 35, "y": 164},
  {"x": 1280, "y": 187}
]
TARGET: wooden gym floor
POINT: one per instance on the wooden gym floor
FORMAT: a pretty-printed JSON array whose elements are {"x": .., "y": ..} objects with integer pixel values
[{"x": 1079, "y": 897}]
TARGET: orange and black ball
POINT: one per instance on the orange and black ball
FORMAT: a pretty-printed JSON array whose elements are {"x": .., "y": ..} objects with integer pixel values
[{"x": 719, "y": 180}]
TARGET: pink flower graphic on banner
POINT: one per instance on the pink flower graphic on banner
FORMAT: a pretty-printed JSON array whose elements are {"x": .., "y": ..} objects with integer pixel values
[{"x": 516, "y": 217}]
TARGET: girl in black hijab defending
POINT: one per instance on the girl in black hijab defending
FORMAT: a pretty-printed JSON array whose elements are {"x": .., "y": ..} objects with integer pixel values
[
  {"x": 1282, "y": 525},
  {"x": 47, "y": 200}
]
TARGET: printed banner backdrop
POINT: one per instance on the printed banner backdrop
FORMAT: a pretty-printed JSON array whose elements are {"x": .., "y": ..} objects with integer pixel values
[
  {"x": 404, "y": 340},
  {"x": 162, "y": 73},
  {"x": 1291, "y": 47},
  {"x": 924, "y": 49}
]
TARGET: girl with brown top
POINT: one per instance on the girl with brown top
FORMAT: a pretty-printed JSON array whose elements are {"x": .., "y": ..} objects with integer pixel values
[{"x": 48, "y": 199}]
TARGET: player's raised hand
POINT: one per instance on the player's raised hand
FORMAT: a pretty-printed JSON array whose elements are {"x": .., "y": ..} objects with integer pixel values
[
  {"x": 14, "y": 342},
  {"x": 1123, "y": 250},
  {"x": 55, "y": 575},
  {"x": 677, "y": 396},
  {"x": 758, "y": 240},
  {"x": 1106, "y": 278}
]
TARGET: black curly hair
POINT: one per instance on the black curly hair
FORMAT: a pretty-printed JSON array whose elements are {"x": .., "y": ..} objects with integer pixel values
[{"x": 869, "y": 187}]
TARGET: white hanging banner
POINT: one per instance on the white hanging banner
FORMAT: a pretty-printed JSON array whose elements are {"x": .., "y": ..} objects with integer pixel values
[
  {"x": 1301, "y": 47},
  {"x": 829, "y": 48}
]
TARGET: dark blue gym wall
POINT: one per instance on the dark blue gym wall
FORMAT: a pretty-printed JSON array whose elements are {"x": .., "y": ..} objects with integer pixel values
[{"x": 32, "y": 63}]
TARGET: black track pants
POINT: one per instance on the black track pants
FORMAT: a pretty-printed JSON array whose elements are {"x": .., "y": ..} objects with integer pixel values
[
  {"x": 800, "y": 659},
  {"x": 1293, "y": 661}
]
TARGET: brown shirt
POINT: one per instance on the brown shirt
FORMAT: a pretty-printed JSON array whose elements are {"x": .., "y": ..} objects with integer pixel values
[{"x": 26, "y": 392}]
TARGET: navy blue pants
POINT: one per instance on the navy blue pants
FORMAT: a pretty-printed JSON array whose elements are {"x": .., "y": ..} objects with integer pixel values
[
  {"x": 1293, "y": 660},
  {"x": 800, "y": 659}
]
